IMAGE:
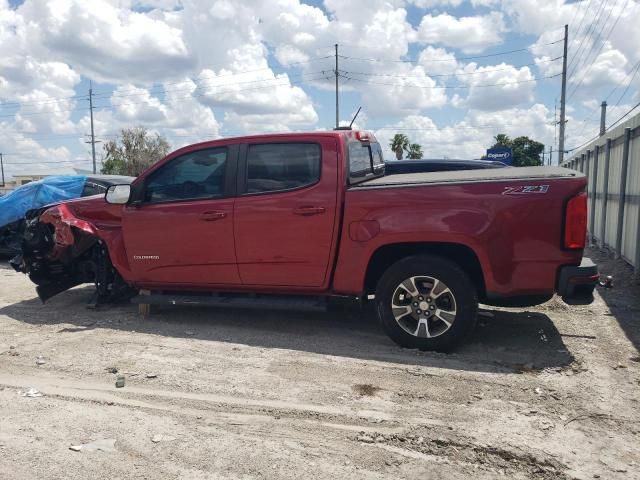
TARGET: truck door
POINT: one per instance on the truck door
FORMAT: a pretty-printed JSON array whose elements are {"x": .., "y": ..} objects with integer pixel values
[
  {"x": 181, "y": 232},
  {"x": 286, "y": 210}
]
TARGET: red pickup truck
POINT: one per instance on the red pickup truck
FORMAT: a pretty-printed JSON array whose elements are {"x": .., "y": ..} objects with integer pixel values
[{"x": 302, "y": 218}]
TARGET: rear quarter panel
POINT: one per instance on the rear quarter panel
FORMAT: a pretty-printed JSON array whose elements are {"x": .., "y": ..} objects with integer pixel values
[{"x": 516, "y": 237}]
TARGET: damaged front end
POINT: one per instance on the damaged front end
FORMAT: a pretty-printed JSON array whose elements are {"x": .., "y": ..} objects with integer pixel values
[{"x": 60, "y": 251}]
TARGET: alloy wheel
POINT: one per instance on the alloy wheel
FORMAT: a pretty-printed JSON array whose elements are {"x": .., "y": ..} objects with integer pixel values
[{"x": 424, "y": 306}]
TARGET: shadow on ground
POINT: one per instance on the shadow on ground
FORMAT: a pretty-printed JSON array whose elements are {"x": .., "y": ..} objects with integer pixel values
[
  {"x": 502, "y": 342},
  {"x": 623, "y": 299}
]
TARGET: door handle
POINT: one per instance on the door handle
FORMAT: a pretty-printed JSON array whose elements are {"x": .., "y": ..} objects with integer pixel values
[
  {"x": 212, "y": 216},
  {"x": 307, "y": 211}
]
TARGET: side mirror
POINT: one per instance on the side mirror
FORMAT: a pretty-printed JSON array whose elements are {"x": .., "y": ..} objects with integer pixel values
[{"x": 118, "y": 194}]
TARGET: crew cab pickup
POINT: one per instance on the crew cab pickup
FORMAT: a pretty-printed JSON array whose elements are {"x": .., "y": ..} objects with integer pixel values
[{"x": 303, "y": 216}]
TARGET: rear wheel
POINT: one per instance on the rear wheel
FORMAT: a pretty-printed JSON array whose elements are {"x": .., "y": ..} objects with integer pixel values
[{"x": 426, "y": 302}]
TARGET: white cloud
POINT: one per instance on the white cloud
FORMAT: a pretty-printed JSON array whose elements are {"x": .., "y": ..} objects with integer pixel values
[
  {"x": 436, "y": 3},
  {"x": 196, "y": 69},
  {"x": 470, "y": 34},
  {"x": 178, "y": 114},
  {"x": 407, "y": 90},
  {"x": 104, "y": 41},
  {"x": 536, "y": 17},
  {"x": 510, "y": 87},
  {"x": 437, "y": 61},
  {"x": 258, "y": 93},
  {"x": 607, "y": 69},
  {"x": 469, "y": 138},
  {"x": 137, "y": 104},
  {"x": 24, "y": 154}
]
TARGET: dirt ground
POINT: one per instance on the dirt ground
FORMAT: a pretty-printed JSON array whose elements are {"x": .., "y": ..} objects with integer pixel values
[{"x": 550, "y": 392}]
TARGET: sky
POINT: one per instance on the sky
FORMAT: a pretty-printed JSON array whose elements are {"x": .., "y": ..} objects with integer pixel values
[{"x": 450, "y": 74}]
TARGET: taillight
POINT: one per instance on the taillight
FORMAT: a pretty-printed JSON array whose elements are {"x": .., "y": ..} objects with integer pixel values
[{"x": 575, "y": 222}]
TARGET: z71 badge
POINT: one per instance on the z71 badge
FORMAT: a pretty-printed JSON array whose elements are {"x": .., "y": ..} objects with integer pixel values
[{"x": 525, "y": 189}]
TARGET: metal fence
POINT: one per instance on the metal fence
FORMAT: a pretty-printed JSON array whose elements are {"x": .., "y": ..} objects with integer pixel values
[{"x": 612, "y": 166}]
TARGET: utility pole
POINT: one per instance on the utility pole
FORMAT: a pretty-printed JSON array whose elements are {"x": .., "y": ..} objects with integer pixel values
[
  {"x": 2, "y": 169},
  {"x": 337, "y": 104},
  {"x": 93, "y": 138},
  {"x": 563, "y": 97},
  {"x": 603, "y": 118},
  {"x": 550, "y": 154}
]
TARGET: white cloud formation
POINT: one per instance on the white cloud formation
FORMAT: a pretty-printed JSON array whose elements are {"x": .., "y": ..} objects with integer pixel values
[
  {"x": 195, "y": 69},
  {"x": 438, "y": 61},
  {"x": 470, "y": 34},
  {"x": 426, "y": 4},
  {"x": 470, "y": 137},
  {"x": 105, "y": 41},
  {"x": 407, "y": 90},
  {"x": 602, "y": 48},
  {"x": 497, "y": 87},
  {"x": 536, "y": 17}
]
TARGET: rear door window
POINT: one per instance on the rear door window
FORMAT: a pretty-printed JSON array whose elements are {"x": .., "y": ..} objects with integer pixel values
[
  {"x": 365, "y": 160},
  {"x": 282, "y": 166},
  {"x": 359, "y": 159},
  {"x": 377, "y": 158}
]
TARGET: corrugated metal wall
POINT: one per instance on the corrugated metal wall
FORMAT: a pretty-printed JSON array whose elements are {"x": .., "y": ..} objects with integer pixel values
[{"x": 614, "y": 189}]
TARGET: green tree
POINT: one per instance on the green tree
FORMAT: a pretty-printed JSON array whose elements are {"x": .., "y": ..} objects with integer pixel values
[
  {"x": 415, "y": 151},
  {"x": 399, "y": 144},
  {"x": 133, "y": 152},
  {"x": 526, "y": 152}
]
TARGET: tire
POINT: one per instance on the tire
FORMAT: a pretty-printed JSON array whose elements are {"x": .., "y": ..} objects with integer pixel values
[{"x": 451, "y": 303}]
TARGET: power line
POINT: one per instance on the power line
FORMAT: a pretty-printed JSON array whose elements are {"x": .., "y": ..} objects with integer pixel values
[
  {"x": 633, "y": 70},
  {"x": 592, "y": 39},
  {"x": 575, "y": 14},
  {"x": 628, "y": 84},
  {"x": 202, "y": 85},
  {"x": 323, "y": 75},
  {"x": 108, "y": 107},
  {"x": 158, "y": 90},
  {"x": 319, "y": 76},
  {"x": 198, "y": 79},
  {"x": 584, "y": 76},
  {"x": 195, "y": 79},
  {"x": 453, "y": 87},
  {"x": 507, "y": 52},
  {"x": 580, "y": 27},
  {"x": 44, "y": 102},
  {"x": 457, "y": 127},
  {"x": 588, "y": 36},
  {"x": 606, "y": 129},
  {"x": 624, "y": 116},
  {"x": 452, "y": 74}
]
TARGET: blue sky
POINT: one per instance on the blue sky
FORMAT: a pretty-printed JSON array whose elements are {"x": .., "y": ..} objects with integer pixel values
[{"x": 198, "y": 69}]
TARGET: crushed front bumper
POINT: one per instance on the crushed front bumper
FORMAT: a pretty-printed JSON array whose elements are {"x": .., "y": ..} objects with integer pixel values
[{"x": 576, "y": 283}]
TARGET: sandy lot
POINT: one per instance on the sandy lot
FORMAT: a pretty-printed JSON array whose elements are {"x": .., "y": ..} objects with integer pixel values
[{"x": 547, "y": 392}]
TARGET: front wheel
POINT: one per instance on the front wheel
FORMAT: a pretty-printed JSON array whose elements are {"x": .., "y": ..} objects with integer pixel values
[{"x": 426, "y": 302}]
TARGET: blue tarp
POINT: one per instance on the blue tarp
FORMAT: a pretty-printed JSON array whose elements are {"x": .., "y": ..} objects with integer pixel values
[{"x": 52, "y": 189}]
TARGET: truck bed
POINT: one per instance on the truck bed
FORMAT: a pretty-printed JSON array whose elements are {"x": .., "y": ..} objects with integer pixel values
[{"x": 467, "y": 176}]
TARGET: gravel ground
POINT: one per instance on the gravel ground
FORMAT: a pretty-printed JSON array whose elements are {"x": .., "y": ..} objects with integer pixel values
[{"x": 549, "y": 392}]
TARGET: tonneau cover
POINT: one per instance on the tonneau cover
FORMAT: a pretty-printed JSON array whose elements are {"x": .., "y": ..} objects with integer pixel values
[{"x": 469, "y": 176}]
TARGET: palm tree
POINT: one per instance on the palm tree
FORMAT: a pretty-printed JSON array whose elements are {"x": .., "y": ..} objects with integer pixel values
[
  {"x": 415, "y": 151},
  {"x": 399, "y": 144}
]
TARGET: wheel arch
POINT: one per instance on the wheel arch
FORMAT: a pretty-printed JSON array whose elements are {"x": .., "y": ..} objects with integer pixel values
[{"x": 387, "y": 255}]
